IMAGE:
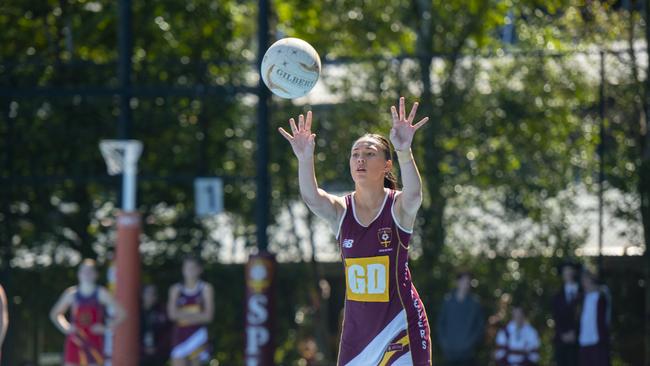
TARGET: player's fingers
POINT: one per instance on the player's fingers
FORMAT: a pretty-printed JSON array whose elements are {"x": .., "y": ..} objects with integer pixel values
[
  {"x": 285, "y": 134},
  {"x": 393, "y": 111},
  {"x": 402, "y": 110},
  {"x": 294, "y": 129},
  {"x": 413, "y": 111},
  {"x": 422, "y": 122},
  {"x": 301, "y": 122},
  {"x": 312, "y": 138},
  {"x": 308, "y": 121}
]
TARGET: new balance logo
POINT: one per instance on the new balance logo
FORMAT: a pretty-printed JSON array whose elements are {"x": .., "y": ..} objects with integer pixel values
[{"x": 347, "y": 243}]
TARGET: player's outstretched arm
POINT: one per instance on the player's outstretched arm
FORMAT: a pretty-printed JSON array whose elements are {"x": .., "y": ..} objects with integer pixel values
[
  {"x": 401, "y": 136},
  {"x": 303, "y": 141},
  {"x": 4, "y": 315}
]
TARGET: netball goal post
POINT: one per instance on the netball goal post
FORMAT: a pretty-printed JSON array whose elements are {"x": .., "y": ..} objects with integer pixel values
[{"x": 121, "y": 157}]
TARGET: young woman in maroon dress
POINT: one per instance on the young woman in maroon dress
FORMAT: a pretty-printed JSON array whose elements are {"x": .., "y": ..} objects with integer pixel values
[
  {"x": 384, "y": 320},
  {"x": 4, "y": 318},
  {"x": 191, "y": 307}
]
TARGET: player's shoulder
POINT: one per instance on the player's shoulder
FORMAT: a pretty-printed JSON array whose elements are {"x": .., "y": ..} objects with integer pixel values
[
  {"x": 69, "y": 293},
  {"x": 207, "y": 286},
  {"x": 103, "y": 293},
  {"x": 175, "y": 288}
]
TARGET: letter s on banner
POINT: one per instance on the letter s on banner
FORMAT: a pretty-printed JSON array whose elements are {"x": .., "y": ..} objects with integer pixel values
[{"x": 257, "y": 309}]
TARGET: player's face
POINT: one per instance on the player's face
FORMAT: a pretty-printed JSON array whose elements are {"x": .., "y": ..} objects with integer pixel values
[
  {"x": 191, "y": 270},
  {"x": 368, "y": 161},
  {"x": 87, "y": 274}
]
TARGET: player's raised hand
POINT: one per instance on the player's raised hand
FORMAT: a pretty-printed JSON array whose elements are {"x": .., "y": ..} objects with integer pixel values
[
  {"x": 403, "y": 130},
  {"x": 302, "y": 140}
]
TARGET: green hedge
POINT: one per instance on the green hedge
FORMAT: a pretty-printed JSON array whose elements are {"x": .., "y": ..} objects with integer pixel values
[{"x": 530, "y": 281}]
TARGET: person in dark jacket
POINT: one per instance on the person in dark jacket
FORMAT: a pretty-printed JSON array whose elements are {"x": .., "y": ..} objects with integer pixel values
[
  {"x": 155, "y": 329},
  {"x": 460, "y": 324},
  {"x": 566, "y": 317},
  {"x": 593, "y": 336}
]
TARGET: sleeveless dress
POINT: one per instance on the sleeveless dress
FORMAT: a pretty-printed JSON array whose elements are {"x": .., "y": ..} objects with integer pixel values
[
  {"x": 84, "y": 347},
  {"x": 190, "y": 341},
  {"x": 384, "y": 319}
]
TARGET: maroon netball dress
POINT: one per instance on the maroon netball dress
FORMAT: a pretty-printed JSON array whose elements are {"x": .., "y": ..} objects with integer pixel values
[
  {"x": 190, "y": 341},
  {"x": 384, "y": 320}
]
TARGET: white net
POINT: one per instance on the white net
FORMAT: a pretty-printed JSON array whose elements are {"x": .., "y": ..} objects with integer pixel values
[{"x": 120, "y": 153}]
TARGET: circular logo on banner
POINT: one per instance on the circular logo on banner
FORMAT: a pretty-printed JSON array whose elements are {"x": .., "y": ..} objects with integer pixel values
[{"x": 258, "y": 275}]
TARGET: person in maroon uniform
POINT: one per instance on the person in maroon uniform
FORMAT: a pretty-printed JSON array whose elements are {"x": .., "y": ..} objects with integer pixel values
[
  {"x": 191, "y": 307},
  {"x": 4, "y": 318},
  {"x": 593, "y": 336},
  {"x": 84, "y": 343},
  {"x": 384, "y": 321},
  {"x": 566, "y": 317}
]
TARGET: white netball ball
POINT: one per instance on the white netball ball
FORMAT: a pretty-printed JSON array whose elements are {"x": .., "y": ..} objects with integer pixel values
[{"x": 290, "y": 68}]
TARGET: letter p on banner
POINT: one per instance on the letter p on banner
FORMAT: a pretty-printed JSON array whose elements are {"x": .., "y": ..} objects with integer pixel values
[{"x": 259, "y": 320}]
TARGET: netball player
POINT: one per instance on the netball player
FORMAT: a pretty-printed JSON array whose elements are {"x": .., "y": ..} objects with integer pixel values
[
  {"x": 190, "y": 307},
  {"x": 4, "y": 318},
  {"x": 87, "y": 324},
  {"x": 384, "y": 320}
]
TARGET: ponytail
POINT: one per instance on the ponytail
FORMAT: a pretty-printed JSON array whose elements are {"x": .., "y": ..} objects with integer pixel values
[{"x": 390, "y": 181}]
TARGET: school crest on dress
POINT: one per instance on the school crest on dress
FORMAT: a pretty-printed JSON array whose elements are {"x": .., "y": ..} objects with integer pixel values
[{"x": 385, "y": 236}]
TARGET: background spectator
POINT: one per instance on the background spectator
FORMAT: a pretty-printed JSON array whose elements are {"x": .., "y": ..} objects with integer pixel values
[
  {"x": 517, "y": 343},
  {"x": 594, "y": 323},
  {"x": 461, "y": 323},
  {"x": 154, "y": 329},
  {"x": 566, "y": 316}
]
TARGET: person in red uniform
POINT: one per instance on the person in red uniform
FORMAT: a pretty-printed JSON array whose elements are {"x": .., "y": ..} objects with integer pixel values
[
  {"x": 191, "y": 307},
  {"x": 85, "y": 327}
]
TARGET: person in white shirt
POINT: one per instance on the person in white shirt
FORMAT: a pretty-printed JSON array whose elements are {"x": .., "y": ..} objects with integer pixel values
[
  {"x": 593, "y": 337},
  {"x": 518, "y": 342}
]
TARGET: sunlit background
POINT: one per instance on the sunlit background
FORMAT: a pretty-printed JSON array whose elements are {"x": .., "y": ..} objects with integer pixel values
[{"x": 530, "y": 101}]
